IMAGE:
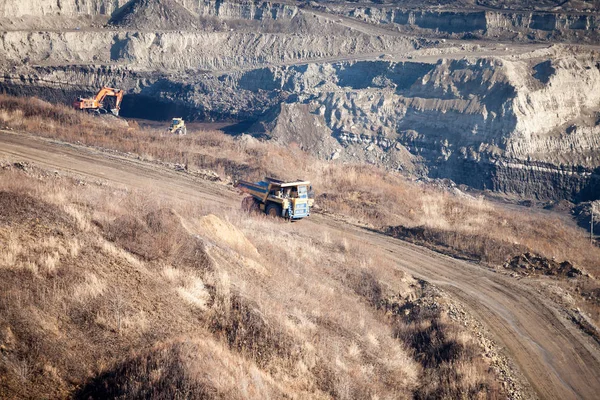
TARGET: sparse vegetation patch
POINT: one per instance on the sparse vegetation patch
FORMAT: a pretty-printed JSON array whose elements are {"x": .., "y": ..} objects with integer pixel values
[{"x": 137, "y": 298}]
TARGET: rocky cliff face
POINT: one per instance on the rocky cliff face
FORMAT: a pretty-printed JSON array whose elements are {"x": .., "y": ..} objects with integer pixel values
[
  {"x": 223, "y": 9},
  {"x": 527, "y": 124},
  {"x": 20, "y": 8},
  {"x": 254, "y": 10},
  {"x": 514, "y": 25},
  {"x": 178, "y": 51},
  {"x": 524, "y": 25}
]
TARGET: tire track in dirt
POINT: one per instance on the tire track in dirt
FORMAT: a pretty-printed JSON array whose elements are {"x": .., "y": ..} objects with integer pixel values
[
  {"x": 119, "y": 169},
  {"x": 557, "y": 359}
]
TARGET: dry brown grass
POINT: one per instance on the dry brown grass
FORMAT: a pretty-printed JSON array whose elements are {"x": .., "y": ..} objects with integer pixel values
[
  {"x": 463, "y": 225},
  {"x": 100, "y": 287},
  {"x": 133, "y": 298}
]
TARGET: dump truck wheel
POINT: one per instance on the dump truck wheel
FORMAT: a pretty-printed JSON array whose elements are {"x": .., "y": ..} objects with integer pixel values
[{"x": 273, "y": 210}]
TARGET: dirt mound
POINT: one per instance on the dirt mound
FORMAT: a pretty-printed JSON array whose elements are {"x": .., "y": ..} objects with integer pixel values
[
  {"x": 564, "y": 206},
  {"x": 20, "y": 210},
  {"x": 294, "y": 123},
  {"x": 158, "y": 235},
  {"x": 155, "y": 15},
  {"x": 110, "y": 120},
  {"x": 222, "y": 231},
  {"x": 528, "y": 263}
]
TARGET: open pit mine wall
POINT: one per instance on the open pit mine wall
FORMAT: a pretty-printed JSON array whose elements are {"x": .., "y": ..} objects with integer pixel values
[
  {"x": 469, "y": 21},
  {"x": 69, "y": 8},
  {"x": 252, "y": 10},
  {"x": 196, "y": 50},
  {"x": 520, "y": 126},
  {"x": 501, "y": 24},
  {"x": 258, "y": 10},
  {"x": 542, "y": 25}
]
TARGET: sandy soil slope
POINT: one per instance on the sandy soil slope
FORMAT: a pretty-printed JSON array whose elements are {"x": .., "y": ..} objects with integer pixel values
[{"x": 557, "y": 359}]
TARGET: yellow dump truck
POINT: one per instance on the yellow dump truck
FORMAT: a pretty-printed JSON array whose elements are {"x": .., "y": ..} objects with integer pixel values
[{"x": 290, "y": 200}]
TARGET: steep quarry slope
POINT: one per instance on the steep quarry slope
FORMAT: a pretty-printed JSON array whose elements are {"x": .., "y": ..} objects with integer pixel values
[
  {"x": 554, "y": 5},
  {"x": 524, "y": 21},
  {"x": 525, "y": 126},
  {"x": 231, "y": 9},
  {"x": 494, "y": 24},
  {"x": 178, "y": 51},
  {"x": 20, "y": 8},
  {"x": 523, "y": 122}
]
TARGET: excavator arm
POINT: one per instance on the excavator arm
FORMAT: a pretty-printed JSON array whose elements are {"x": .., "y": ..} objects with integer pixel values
[{"x": 106, "y": 91}]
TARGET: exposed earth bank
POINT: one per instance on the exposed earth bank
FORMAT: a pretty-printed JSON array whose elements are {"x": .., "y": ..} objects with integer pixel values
[{"x": 372, "y": 84}]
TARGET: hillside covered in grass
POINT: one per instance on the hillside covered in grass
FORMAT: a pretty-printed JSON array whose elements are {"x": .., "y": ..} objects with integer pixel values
[
  {"x": 107, "y": 293},
  {"x": 457, "y": 222}
]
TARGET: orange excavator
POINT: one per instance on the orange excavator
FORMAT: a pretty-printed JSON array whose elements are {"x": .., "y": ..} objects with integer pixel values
[{"x": 97, "y": 104}]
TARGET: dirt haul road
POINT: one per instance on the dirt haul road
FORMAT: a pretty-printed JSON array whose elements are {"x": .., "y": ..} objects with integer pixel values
[{"x": 557, "y": 360}]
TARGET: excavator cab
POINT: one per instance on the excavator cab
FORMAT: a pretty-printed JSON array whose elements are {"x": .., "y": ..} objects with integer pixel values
[
  {"x": 106, "y": 100},
  {"x": 177, "y": 127}
]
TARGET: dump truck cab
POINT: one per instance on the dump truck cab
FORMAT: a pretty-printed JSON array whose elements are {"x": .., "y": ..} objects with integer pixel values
[
  {"x": 178, "y": 126},
  {"x": 274, "y": 197}
]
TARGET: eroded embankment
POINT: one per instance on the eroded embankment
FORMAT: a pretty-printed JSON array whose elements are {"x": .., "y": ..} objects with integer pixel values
[
  {"x": 180, "y": 51},
  {"x": 527, "y": 125},
  {"x": 469, "y": 24},
  {"x": 558, "y": 25}
]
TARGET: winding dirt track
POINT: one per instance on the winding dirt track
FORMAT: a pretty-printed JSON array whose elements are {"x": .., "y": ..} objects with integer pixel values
[{"x": 557, "y": 360}]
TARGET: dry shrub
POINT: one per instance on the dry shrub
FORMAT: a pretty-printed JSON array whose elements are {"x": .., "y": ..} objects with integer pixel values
[
  {"x": 158, "y": 235},
  {"x": 51, "y": 229},
  {"x": 34, "y": 115},
  {"x": 245, "y": 329},
  {"x": 18, "y": 208},
  {"x": 192, "y": 369},
  {"x": 471, "y": 246},
  {"x": 365, "y": 284},
  {"x": 452, "y": 365},
  {"x": 153, "y": 236}
]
